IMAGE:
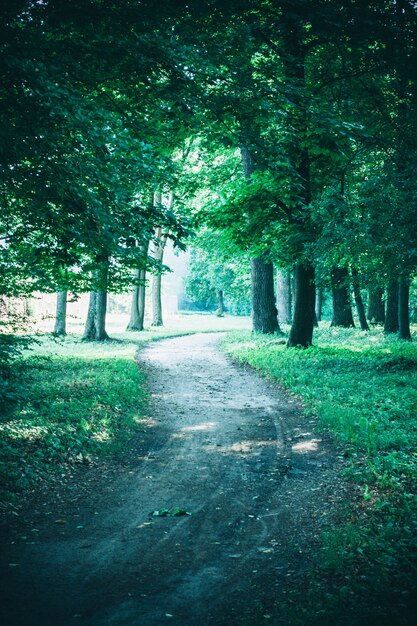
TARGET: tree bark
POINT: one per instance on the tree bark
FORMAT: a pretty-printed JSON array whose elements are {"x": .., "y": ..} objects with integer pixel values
[
  {"x": 376, "y": 309},
  {"x": 90, "y": 325},
  {"x": 358, "y": 300},
  {"x": 102, "y": 274},
  {"x": 157, "y": 301},
  {"x": 264, "y": 311},
  {"x": 319, "y": 304},
  {"x": 137, "y": 309},
  {"x": 142, "y": 298},
  {"x": 95, "y": 327},
  {"x": 158, "y": 255},
  {"x": 294, "y": 61},
  {"x": 391, "y": 324},
  {"x": 100, "y": 317},
  {"x": 404, "y": 308},
  {"x": 134, "y": 322},
  {"x": 342, "y": 308},
  {"x": 284, "y": 300},
  {"x": 220, "y": 302},
  {"x": 301, "y": 333},
  {"x": 61, "y": 314}
]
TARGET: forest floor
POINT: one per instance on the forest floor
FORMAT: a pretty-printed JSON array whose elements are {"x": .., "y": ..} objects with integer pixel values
[{"x": 212, "y": 516}]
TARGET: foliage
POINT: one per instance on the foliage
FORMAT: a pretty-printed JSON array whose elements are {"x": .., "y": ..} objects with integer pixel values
[
  {"x": 98, "y": 113},
  {"x": 212, "y": 269},
  {"x": 79, "y": 161}
]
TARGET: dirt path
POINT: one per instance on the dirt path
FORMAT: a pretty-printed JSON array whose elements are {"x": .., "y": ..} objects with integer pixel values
[{"x": 225, "y": 446}]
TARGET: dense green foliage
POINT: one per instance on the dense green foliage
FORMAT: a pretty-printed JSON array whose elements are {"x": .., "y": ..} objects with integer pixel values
[
  {"x": 80, "y": 156},
  {"x": 362, "y": 389},
  {"x": 215, "y": 279},
  {"x": 293, "y": 123}
]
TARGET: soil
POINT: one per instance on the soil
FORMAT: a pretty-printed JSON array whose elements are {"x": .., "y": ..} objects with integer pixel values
[{"x": 220, "y": 443}]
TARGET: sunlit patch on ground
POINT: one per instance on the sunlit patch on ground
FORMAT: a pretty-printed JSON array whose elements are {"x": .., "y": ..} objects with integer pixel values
[
  {"x": 18, "y": 431},
  {"x": 309, "y": 445},
  {"x": 241, "y": 447},
  {"x": 197, "y": 427}
]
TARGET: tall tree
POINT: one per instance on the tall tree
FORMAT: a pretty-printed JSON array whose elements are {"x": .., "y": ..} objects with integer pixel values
[
  {"x": 61, "y": 313},
  {"x": 342, "y": 308},
  {"x": 391, "y": 315},
  {"x": 284, "y": 300},
  {"x": 158, "y": 247}
]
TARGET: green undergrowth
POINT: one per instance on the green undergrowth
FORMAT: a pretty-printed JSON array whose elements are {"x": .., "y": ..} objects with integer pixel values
[
  {"x": 363, "y": 388},
  {"x": 69, "y": 402}
]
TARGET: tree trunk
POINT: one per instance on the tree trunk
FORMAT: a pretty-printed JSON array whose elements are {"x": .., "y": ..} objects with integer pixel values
[
  {"x": 137, "y": 309},
  {"x": 342, "y": 309},
  {"x": 134, "y": 322},
  {"x": 301, "y": 333},
  {"x": 27, "y": 307},
  {"x": 95, "y": 327},
  {"x": 376, "y": 311},
  {"x": 264, "y": 311},
  {"x": 319, "y": 304},
  {"x": 142, "y": 298},
  {"x": 220, "y": 302},
  {"x": 102, "y": 274},
  {"x": 294, "y": 63},
  {"x": 391, "y": 316},
  {"x": 100, "y": 318},
  {"x": 158, "y": 255},
  {"x": 284, "y": 300},
  {"x": 61, "y": 314},
  {"x": 358, "y": 300},
  {"x": 90, "y": 326},
  {"x": 157, "y": 301},
  {"x": 403, "y": 308}
]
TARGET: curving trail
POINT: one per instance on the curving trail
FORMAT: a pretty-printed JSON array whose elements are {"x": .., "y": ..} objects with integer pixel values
[{"x": 221, "y": 443}]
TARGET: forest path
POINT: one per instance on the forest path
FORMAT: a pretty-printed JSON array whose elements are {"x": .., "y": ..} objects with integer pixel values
[{"x": 226, "y": 446}]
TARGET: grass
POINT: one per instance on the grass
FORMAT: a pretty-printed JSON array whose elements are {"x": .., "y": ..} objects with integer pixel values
[
  {"x": 363, "y": 389},
  {"x": 73, "y": 401}
]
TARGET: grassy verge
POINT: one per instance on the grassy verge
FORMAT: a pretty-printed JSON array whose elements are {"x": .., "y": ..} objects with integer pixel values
[
  {"x": 363, "y": 388},
  {"x": 75, "y": 400},
  {"x": 70, "y": 401}
]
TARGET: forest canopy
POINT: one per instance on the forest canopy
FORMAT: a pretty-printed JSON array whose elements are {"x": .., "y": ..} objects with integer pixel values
[{"x": 288, "y": 129}]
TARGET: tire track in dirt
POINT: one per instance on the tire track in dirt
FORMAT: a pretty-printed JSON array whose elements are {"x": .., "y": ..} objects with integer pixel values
[{"x": 226, "y": 446}]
